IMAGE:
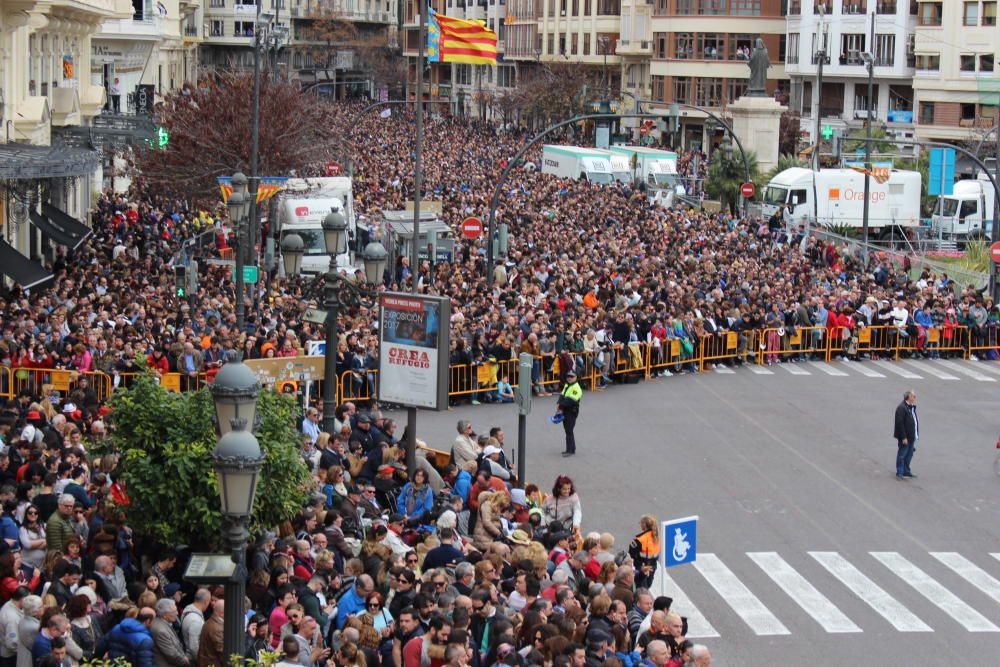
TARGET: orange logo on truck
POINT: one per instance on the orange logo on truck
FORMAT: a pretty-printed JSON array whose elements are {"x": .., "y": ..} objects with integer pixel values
[{"x": 834, "y": 194}]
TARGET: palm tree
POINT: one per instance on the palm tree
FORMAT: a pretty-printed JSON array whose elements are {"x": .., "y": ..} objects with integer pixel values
[{"x": 725, "y": 175}]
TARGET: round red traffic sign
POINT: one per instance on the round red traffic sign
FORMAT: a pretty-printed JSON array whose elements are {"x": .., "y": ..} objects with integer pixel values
[
  {"x": 332, "y": 169},
  {"x": 748, "y": 190},
  {"x": 643, "y": 130},
  {"x": 995, "y": 252},
  {"x": 472, "y": 228}
]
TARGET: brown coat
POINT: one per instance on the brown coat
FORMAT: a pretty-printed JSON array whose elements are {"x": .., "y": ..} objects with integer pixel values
[{"x": 210, "y": 647}]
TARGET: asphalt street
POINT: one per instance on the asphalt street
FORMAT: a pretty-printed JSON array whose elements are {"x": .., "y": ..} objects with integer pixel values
[{"x": 810, "y": 551}]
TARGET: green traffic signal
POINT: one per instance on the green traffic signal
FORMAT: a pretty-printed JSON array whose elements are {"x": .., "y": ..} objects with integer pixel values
[
  {"x": 180, "y": 292},
  {"x": 162, "y": 137}
]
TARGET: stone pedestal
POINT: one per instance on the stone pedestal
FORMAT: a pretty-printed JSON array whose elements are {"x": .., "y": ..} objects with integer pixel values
[{"x": 756, "y": 121}]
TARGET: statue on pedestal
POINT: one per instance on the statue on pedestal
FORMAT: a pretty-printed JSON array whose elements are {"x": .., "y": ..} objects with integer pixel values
[{"x": 758, "y": 63}]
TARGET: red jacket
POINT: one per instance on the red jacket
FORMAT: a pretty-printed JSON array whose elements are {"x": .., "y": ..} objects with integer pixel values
[{"x": 162, "y": 366}]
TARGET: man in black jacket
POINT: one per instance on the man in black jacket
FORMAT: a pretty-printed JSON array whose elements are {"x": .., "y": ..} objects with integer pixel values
[{"x": 907, "y": 432}]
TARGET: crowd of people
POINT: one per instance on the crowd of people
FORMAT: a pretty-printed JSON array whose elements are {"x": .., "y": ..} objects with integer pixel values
[{"x": 455, "y": 565}]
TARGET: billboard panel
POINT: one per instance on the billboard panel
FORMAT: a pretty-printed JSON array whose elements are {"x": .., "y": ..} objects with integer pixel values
[{"x": 413, "y": 357}]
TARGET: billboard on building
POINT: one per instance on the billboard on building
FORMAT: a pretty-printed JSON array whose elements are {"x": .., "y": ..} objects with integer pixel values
[{"x": 413, "y": 355}]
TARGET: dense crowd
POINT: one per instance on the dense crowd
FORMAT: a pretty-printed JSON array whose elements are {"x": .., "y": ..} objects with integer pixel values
[{"x": 455, "y": 565}]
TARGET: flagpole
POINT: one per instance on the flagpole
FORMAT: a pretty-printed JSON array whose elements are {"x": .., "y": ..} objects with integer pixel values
[{"x": 418, "y": 183}]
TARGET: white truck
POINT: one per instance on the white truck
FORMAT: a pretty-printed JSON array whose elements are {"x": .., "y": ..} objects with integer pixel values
[
  {"x": 577, "y": 163},
  {"x": 656, "y": 168},
  {"x": 302, "y": 205},
  {"x": 967, "y": 213},
  {"x": 835, "y": 198},
  {"x": 620, "y": 167}
]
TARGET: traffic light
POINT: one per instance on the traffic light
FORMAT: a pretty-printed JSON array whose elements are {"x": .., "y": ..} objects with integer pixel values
[
  {"x": 162, "y": 137},
  {"x": 180, "y": 281}
]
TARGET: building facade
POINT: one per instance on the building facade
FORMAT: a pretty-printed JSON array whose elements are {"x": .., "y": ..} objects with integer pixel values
[
  {"x": 955, "y": 84},
  {"x": 844, "y": 28},
  {"x": 699, "y": 56},
  {"x": 46, "y": 86}
]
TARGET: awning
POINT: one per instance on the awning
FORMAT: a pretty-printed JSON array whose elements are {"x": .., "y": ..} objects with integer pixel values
[
  {"x": 68, "y": 223},
  {"x": 20, "y": 269},
  {"x": 54, "y": 231},
  {"x": 19, "y": 161}
]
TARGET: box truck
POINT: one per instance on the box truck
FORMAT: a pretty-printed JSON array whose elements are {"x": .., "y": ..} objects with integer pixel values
[
  {"x": 302, "y": 205},
  {"x": 968, "y": 212},
  {"x": 577, "y": 163},
  {"x": 656, "y": 168},
  {"x": 835, "y": 198}
]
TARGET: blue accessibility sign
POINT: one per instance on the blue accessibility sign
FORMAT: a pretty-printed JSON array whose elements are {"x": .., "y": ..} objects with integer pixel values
[{"x": 680, "y": 541}]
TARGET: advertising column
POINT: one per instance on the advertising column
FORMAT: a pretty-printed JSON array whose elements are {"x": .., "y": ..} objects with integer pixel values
[{"x": 413, "y": 358}]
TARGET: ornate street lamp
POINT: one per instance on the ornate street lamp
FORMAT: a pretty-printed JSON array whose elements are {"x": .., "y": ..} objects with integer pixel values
[
  {"x": 292, "y": 249},
  {"x": 234, "y": 393}
]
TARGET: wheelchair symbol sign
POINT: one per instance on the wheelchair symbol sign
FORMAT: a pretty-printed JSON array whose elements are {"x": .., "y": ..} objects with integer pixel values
[{"x": 679, "y": 541}]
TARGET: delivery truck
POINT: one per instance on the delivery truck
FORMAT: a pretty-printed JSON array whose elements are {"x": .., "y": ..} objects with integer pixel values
[
  {"x": 577, "y": 163},
  {"x": 836, "y": 197},
  {"x": 968, "y": 212},
  {"x": 656, "y": 168},
  {"x": 302, "y": 205}
]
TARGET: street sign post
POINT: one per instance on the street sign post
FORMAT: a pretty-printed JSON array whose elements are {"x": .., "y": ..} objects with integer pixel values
[
  {"x": 679, "y": 539},
  {"x": 748, "y": 190},
  {"x": 522, "y": 396},
  {"x": 472, "y": 228},
  {"x": 250, "y": 274}
]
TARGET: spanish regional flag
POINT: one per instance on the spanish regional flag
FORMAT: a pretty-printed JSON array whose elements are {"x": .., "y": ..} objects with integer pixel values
[
  {"x": 880, "y": 174},
  {"x": 452, "y": 40}
]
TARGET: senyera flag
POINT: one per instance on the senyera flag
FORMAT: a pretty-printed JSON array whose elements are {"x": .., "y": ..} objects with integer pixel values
[
  {"x": 451, "y": 40},
  {"x": 880, "y": 174},
  {"x": 266, "y": 188}
]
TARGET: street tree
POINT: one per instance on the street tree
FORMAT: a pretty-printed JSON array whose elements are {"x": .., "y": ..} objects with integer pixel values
[
  {"x": 165, "y": 440},
  {"x": 726, "y": 172},
  {"x": 209, "y": 127}
]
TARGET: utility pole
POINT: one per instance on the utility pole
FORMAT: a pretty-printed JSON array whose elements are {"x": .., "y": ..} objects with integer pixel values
[
  {"x": 820, "y": 56},
  {"x": 418, "y": 184},
  {"x": 869, "y": 59}
]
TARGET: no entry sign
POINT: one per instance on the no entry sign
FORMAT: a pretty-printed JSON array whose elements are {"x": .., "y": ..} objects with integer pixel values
[
  {"x": 748, "y": 190},
  {"x": 472, "y": 228},
  {"x": 995, "y": 252}
]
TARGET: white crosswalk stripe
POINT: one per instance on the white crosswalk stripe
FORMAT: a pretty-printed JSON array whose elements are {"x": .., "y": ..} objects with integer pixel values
[
  {"x": 864, "y": 369},
  {"x": 803, "y": 593},
  {"x": 965, "y": 568},
  {"x": 874, "y": 596},
  {"x": 827, "y": 368},
  {"x": 747, "y": 605},
  {"x": 795, "y": 369},
  {"x": 930, "y": 368},
  {"x": 991, "y": 367},
  {"x": 725, "y": 370},
  {"x": 937, "y": 594},
  {"x": 698, "y": 626},
  {"x": 760, "y": 370},
  {"x": 894, "y": 367},
  {"x": 964, "y": 369}
]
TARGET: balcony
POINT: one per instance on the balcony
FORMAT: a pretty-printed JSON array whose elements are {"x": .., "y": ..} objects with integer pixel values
[
  {"x": 885, "y": 7},
  {"x": 190, "y": 31},
  {"x": 147, "y": 27},
  {"x": 634, "y": 47},
  {"x": 854, "y": 8}
]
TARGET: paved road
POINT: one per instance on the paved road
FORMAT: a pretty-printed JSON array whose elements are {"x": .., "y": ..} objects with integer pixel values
[{"x": 810, "y": 551}]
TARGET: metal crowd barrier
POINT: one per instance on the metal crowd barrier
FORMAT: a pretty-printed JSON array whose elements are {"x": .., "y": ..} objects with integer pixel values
[{"x": 641, "y": 359}]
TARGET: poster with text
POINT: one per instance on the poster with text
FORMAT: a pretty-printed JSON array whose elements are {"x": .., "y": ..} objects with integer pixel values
[{"x": 413, "y": 358}]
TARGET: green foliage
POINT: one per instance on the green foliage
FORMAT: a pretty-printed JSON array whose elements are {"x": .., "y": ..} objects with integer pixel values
[
  {"x": 882, "y": 143},
  {"x": 977, "y": 256},
  {"x": 726, "y": 173},
  {"x": 102, "y": 662},
  {"x": 165, "y": 440},
  {"x": 267, "y": 658},
  {"x": 842, "y": 229}
]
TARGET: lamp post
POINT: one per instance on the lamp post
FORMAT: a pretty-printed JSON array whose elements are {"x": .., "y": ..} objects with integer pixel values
[
  {"x": 237, "y": 460},
  {"x": 239, "y": 206},
  {"x": 337, "y": 291},
  {"x": 870, "y": 66}
]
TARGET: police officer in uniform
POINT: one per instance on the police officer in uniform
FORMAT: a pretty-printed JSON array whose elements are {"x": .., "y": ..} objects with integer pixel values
[{"x": 569, "y": 406}]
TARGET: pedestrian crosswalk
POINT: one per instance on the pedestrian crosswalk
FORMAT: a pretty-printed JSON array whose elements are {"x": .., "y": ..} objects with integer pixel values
[
  {"x": 942, "y": 369},
  {"x": 941, "y": 591}
]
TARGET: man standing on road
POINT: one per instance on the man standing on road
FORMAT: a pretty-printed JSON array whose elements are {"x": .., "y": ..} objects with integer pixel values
[
  {"x": 569, "y": 406},
  {"x": 906, "y": 432}
]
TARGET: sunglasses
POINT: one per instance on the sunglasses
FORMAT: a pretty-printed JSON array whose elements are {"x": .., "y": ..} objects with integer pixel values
[
  {"x": 374, "y": 605},
  {"x": 411, "y": 560}
]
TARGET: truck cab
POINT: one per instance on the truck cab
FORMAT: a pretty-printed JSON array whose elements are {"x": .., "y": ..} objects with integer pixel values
[{"x": 968, "y": 211}]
